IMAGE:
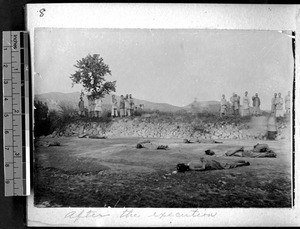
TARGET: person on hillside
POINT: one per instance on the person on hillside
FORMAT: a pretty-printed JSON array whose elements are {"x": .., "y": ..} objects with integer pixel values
[
  {"x": 287, "y": 102},
  {"x": 81, "y": 107},
  {"x": 273, "y": 104},
  {"x": 232, "y": 103},
  {"x": 98, "y": 107},
  {"x": 246, "y": 105},
  {"x": 131, "y": 104},
  {"x": 114, "y": 107},
  {"x": 205, "y": 164},
  {"x": 223, "y": 105},
  {"x": 256, "y": 105},
  {"x": 122, "y": 106},
  {"x": 141, "y": 107},
  {"x": 236, "y": 102},
  {"x": 91, "y": 105},
  {"x": 279, "y": 106},
  {"x": 127, "y": 106}
]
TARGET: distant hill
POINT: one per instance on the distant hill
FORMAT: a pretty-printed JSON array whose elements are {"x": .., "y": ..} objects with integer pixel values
[
  {"x": 53, "y": 99},
  {"x": 203, "y": 106}
]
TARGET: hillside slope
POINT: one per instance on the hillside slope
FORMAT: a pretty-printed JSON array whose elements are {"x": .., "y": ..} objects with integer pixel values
[{"x": 54, "y": 99}]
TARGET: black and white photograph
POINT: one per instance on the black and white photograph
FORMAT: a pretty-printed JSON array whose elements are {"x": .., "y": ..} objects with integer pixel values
[
  {"x": 164, "y": 115},
  {"x": 163, "y": 118}
]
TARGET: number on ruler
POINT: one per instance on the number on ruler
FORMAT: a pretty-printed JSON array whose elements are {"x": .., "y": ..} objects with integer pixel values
[
  {"x": 5, "y": 99},
  {"x": 5, "y": 115},
  {"x": 5, "y": 65},
  {"x": 6, "y": 132},
  {"x": 7, "y": 148},
  {"x": 5, "y": 82},
  {"x": 16, "y": 111}
]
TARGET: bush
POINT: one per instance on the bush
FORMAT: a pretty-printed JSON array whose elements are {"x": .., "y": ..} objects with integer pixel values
[
  {"x": 105, "y": 116},
  {"x": 47, "y": 121},
  {"x": 41, "y": 121},
  {"x": 61, "y": 118}
]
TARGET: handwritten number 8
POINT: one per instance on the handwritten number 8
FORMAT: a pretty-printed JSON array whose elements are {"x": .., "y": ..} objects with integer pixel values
[{"x": 42, "y": 12}]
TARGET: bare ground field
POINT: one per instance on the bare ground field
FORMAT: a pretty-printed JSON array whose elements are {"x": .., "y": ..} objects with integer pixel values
[{"x": 85, "y": 172}]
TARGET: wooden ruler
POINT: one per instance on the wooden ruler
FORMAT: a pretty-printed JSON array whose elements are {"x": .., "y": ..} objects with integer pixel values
[{"x": 16, "y": 113}]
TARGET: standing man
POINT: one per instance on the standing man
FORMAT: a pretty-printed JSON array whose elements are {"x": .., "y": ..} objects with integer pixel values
[
  {"x": 131, "y": 104},
  {"x": 273, "y": 102},
  {"x": 223, "y": 104},
  {"x": 114, "y": 106},
  {"x": 287, "y": 101},
  {"x": 98, "y": 107},
  {"x": 91, "y": 106},
  {"x": 127, "y": 106},
  {"x": 81, "y": 107},
  {"x": 236, "y": 104},
  {"x": 246, "y": 105},
  {"x": 279, "y": 106},
  {"x": 122, "y": 106},
  {"x": 232, "y": 103},
  {"x": 141, "y": 107},
  {"x": 256, "y": 105}
]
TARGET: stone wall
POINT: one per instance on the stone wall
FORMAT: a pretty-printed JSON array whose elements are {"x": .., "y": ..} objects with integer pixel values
[{"x": 137, "y": 127}]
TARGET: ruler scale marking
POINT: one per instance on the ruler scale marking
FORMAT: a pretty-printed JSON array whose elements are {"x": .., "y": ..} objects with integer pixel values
[{"x": 16, "y": 112}]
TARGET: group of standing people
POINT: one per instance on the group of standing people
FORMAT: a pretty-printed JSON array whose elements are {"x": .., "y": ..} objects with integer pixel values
[
  {"x": 126, "y": 106},
  {"x": 237, "y": 106},
  {"x": 94, "y": 107},
  {"x": 277, "y": 104}
]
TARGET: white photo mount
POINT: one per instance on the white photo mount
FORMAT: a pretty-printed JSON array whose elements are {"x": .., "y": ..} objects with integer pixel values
[{"x": 167, "y": 16}]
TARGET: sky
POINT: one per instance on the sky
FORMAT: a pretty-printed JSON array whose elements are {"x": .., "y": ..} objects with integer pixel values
[{"x": 172, "y": 66}]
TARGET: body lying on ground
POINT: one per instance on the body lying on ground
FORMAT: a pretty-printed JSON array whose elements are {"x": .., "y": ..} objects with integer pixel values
[
  {"x": 209, "y": 152},
  {"x": 147, "y": 144},
  {"x": 258, "y": 151},
  {"x": 91, "y": 136},
  {"x": 201, "y": 141},
  {"x": 205, "y": 164}
]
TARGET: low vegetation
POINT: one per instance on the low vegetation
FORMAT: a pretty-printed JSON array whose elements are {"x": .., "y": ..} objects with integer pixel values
[{"x": 47, "y": 121}]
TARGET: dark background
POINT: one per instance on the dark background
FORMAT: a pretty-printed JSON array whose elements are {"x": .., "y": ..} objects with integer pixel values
[{"x": 13, "y": 209}]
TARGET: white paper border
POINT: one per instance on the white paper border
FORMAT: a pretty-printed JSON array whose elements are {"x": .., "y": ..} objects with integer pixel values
[{"x": 184, "y": 16}]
